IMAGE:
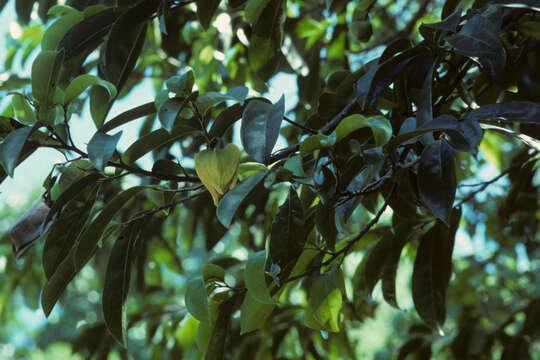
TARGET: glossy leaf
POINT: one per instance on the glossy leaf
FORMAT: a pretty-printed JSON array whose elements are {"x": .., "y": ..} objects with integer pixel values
[
  {"x": 260, "y": 128},
  {"x": 57, "y": 283},
  {"x": 513, "y": 111},
  {"x": 22, "y": 109},
  {"x": 437, "y": 179},
  {"x": 231, "y": 201},
  {"x": 129, "y": 115},
  {"x": 57, "y": 30},
  {"x": 169, "y": 110},
  {"x": 379, "y": 125},
  {"x": 433, "y": 269},
  {"x": 101, "y": 148}
]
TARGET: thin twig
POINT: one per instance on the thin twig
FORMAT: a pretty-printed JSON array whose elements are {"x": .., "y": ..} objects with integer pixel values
[{"x": 305, "y": 128}]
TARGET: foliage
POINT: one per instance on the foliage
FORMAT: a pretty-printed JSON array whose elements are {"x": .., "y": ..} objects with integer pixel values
[{"x": 241, "y": 251}]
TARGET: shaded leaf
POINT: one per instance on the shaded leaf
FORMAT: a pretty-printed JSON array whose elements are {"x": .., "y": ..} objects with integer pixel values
[
  {"x": 196, "y": 300},
  {"x": 101, "y": 148},
  {"x": 512, "y": 111},
  {"x": 231, "y": 201},
  {"x": 11, "y": 147},
  {"x": 437, "y": 179},
  {"x": 260, "y": 128},
  {"x": 129, "y": 115},
  {"x": 325, "y": 298},
  {"x": 205, "y": 12},
  {"x": 433, "y": 269},
  {"x": 57, "y": 30},
  {"x": 255, "y": 278},
  {"x": 22, "y": 109},
  {"x": 253, "y": 314}
]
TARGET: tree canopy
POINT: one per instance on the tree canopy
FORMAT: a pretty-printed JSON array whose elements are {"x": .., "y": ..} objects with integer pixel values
[{"x": 237, "y": 224}]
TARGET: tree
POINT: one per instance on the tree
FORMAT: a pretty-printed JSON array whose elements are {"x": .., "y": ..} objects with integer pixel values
[{"x": 237, "y": 249}]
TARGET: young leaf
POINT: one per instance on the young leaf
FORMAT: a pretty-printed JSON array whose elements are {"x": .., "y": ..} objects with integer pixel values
[
  {"x": 231, "y": 201},
  {"x": 260, "y": 128},
  {"x": 11, "y": 147},
  {"x": 437, "y": 179},
  {"x": 433, "y": 269},
  {"x": 255, "y": 278},
  {"x": 325, "y": 298},
  {"x": 116, "y": 287},
  {"x": 101, "y": 148},
  {"x": 253, "y": 314},
  {"x": 379, "y": 125},
  {"x": 196, "y": 300}
]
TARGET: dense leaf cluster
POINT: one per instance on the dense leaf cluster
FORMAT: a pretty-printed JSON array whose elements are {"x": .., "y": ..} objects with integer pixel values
[{"x": 275, "y": 250}]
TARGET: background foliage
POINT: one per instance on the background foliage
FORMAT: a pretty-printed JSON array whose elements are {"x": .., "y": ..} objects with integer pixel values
[{"x": 408, "y": 138}]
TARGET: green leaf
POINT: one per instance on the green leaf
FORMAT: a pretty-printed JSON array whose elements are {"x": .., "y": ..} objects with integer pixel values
[
  {"x": 45, "y": 69},
  {"x": 100, "y": 103},
  {"x": 231, "y": 201},
  {"x": 169, "y": 110},
  {"x": 441, "y": 123},
  {"x": 213, "y": 272},
  {"x": 519, "y": 4},
  {"x": 86, "y": 35},
  {"x": 57, "y": 283},
  {"x": 253, "y": 314},
  {"x": 319, "y": 141},
  {"x": 260, "y": 128},
  {"x": 216, "y": 345},
  {"x": 83, "y": 82},
  {"x": 22, "y": 109},
  {"x": 196, "y": 300},
  {"x": 478, "y": 40},
  {"x": 512, "y": 111},
  {"x": 254, "y": 8},
  {"x": 182, "y": 86},
  {"x": 530, "y": 28},
  {"x": 89, "y": 239},
  {"x": 433, "y": 269},
  {"x": 325, "y": 299},
  {"x": 205, "y": 12},
  {"x": 129, "y": 115},
  {"x": 101, "y": 148},
  {"x": 437, "y": 179},
  {"x": 255, "y": 278},
  {"x": 11, "y": 147},
  {"x": 266, "y": 38},
  {"x": 212, "y": 98},
  {"x": 379, "y": 125},
  {"x": 288, "y": 236},
  {"x": 116, "y": 287},
  {"x": 225, "y": 120},
  {"x": 57, "y": 30},
  {"x": 425, "y": 108}
]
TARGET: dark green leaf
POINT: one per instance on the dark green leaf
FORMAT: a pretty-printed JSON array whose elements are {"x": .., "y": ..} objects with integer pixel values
[
  {"x": 55, "y": 286},
  {"x": 253, "y": 314},
  {"x": 425, "y": 109},
  {"x": 433, "y": 269},
  {"x": 196, "y": 300},
  {"x": 89, "y": 239},
  {"x": 101, "y": 148},
  {"x": 11, "y": 147},
  {"x": 83, "y": 82},
  {"x": 182, "y": 86},
  {"x": 437, "y": 179},
  {"x": 205, "y": 12},
  {"x": 519, "y": 4},
  {"x": 231, "y": 201},
  {"x": 225, "y": 120},
  {"x": 513, "y": 111},
  {"x": 266, "y": 37},
  {"x": 216, "y": 346},
  {"x": 260, "y": 128},
  {"x": 116, "y": 287},
  {"x": 467, "y": 137},
  {"x": 441, "y": 123},
  {"x": 57, "y": 30},
  {"x": 168, "y": 111},
  {"x": 129, "y": 115}
]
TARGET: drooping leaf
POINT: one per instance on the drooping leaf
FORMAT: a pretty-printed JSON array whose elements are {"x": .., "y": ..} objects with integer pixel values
[
  {"x": 89, "y": 239},
  {"x": 11, "y": 147},
  {"x": 117, "y": 278},
  {"x": 255, "y": 278},
  {"x": 101, "y": 148},
  {"x": 55, "y": 286},
  {"x": 216, "y": 345},
  {"x": 83, "y": 82},
  {"x": 260, "y": 128},
  {"x": 169, "y": 110},
  {"x": 437, "y": 179},
  {"x": 196, "y": 300},
  {"x": 253, "y": 314},
  {"x": 441, "y": 123},
  {"x": 254, "y": 8},
  {"x": 467, "y": 137},
  {"x": 266, "y": 38},
  {"x": 231, "y": 201},
  {"x": 425, "y": 108},
  {"x": 433, "y": 269},
  {"x": 225, "y": 120},
  {"x": 288, "y": 236}
]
